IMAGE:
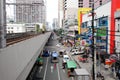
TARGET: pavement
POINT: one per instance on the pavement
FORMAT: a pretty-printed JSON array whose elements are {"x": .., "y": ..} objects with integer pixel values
[{"x": 107, "y": 73}]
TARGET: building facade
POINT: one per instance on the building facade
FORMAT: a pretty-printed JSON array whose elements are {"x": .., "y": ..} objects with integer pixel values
[
  {"x": 60, "y": 13},
  {"x": 55, "y": 23},
  {"x": 70, "y": 8},
  {"x": 88, "y": 3},
  {"x": 117, "y": 25},
  {"x": 30, "y": 11},
  {"x": 106, "y": 25}
]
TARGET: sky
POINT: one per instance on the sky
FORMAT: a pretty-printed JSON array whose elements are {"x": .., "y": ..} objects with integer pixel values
[{"x": 52, "y": 10}]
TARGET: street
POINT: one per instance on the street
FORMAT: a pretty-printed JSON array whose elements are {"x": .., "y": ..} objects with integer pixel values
[{"x": 52, "y": 71}]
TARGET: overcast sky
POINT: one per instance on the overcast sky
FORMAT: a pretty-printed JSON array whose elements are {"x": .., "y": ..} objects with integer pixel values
[{"x": 52, "y": 10}]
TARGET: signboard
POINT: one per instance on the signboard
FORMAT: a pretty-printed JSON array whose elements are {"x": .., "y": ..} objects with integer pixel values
[
  {"x": 102, "y": 31},
  {"x": 103, "y": 21}
]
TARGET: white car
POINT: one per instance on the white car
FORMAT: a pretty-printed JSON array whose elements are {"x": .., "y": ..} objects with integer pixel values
[
  {"x": 74, "y": 50},
  {"x": 77, "y": 52},
  {"x": 65, "y": 58}
]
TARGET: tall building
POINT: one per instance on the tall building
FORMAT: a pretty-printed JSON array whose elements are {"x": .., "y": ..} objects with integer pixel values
[
  {"x": 88, "y": 3},
  {"x": 55, "y": 23},
  {"x": 60, "y": 13},
  {"x": 30, "y": 11},
  {"x": 70, "y": 9}
]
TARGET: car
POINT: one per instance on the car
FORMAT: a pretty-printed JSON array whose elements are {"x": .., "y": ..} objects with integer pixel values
[
  {"x": 65, "y": 58},
  {"x": 54, "y": 57},
  {"x": 46, "y": 53},
  {"x": 73, "y": 50},
  {"x": 77, "y": 52}
]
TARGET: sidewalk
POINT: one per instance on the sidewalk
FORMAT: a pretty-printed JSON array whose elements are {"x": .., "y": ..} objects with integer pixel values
[{"x": 106, "y": 73}]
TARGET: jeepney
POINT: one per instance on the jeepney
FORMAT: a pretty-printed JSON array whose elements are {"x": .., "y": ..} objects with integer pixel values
[
  {"x": 71, "y": 65},
  {"x": 81, "y": 74}
]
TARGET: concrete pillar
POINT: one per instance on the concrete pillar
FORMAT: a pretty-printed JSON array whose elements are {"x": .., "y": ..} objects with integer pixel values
[{"x": 2, "y": 24}]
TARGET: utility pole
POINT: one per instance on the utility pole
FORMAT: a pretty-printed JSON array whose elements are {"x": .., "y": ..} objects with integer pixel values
[
  {"x": 93, "y": 45},
  {"x": 2, "y": 24}
]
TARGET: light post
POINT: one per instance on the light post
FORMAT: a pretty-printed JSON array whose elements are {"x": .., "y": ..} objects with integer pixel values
[{"x": 93, "y": 47}]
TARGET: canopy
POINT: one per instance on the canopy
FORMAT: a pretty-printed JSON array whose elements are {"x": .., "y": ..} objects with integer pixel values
[
  {"x": 54, "y": 54},
  {"x": 81, "y": 72},
  {"x": 71, "y": 64}
]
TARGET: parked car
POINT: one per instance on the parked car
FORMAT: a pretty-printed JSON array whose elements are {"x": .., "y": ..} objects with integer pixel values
[
  {"x": 77, "y": 52},
  {"x": 73, "y": 50}
]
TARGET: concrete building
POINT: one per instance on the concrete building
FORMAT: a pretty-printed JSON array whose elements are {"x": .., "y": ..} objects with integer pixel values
[
  {"x": 30, "y": 11},
  {"x": 70, "y": 8},
  {"x": 55, "y": 23},
  {"x": 60, "y": 13},
  {"x": 104, "y": 23},
  {"x": 15, "y": 28},
  {"x": 117, "y": 25},
  {"x": 88, "y": 3}
]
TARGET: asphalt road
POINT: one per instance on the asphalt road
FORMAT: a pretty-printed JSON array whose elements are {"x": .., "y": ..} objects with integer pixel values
[{"x": 52, "y": 71}]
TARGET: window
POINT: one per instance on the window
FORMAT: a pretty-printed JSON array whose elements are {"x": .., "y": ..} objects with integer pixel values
[
  {"x": 11, "y": 27},
  {"x": 80, "y": 4},
  {"x": 100, "y": 2},
  {"x": 80, "y": 0},
  {"x": 8, "y": 31},
  {"x": 11, "y": 31},
  {"x": 90, "y": 0},
  {"x": 90, "y": 4},
  {"x": 8, "y": 27}
]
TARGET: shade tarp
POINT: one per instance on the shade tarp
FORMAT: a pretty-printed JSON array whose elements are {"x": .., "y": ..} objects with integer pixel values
[{"x": 71, "y": 64}]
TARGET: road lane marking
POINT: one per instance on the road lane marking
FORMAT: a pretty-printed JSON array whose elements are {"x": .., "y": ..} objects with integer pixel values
[
  {"x": 63, "y": 70},
  {"x": 58, "y": 72},
  {"x": 51, "y": 68},
  {"x": 40, "y": 68},
  {"x": 45, "y": 69},
  {"x": 72, "y": 78}
]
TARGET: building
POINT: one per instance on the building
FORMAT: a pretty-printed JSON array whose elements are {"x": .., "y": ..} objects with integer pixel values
[
  {"x": 22, "y": 28},
  {"x": 106, "y": 28},
  {"x": 88, "y": 3},
  {"x": 15, "y": 28},
  {"x": 70, "y": 8},
  {"x": 60, "y": 13},
  {"x": 117, "y": 25},
  {"x": 30, "y": 11},
  {"x": 55, "y": 23}
]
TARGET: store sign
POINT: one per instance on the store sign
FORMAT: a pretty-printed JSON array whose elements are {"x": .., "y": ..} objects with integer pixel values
[
  {"x": 103, "y": 21},
  {"x": 102, "y": 31}
]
